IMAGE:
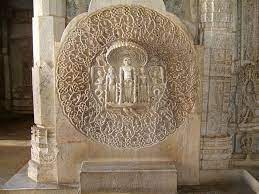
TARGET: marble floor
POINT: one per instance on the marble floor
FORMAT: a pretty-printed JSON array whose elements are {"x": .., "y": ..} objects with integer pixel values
[
  {"x": 216, "y": 189},
  {"x": 20, "y": 180}
]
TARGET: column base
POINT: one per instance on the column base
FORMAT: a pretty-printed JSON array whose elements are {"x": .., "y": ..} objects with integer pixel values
[
  {"x": 216, "y": 152},
  {"x": 41, "y": 173},
  {"x": 42, "y": 166}
]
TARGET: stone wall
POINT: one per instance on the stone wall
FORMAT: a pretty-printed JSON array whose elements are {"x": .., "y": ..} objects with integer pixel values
[
  {"x": 74, "y": 147},
  {"x": 245, "y": 114},
  {"x": 228, "y": 32},
  {"x": 186, "y": 10}
]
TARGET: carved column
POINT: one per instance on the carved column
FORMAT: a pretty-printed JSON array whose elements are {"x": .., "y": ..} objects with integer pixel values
[
  {"x": 48, "y": 26},
  {"x": 216, "y": 22}
]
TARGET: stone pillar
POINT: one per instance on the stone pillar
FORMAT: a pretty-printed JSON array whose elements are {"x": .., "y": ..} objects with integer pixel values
[
  {"x": 6, "y": 64},
  {"x": 257, "y": 58},
  {"x": 76, "y": 7},
  {"x": 216, "y": 22},
  {"x": 20, "y": 59},
  {"x": 48, "y": 26}
]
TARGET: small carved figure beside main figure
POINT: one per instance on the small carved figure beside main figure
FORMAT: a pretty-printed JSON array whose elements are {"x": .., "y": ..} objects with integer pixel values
[{"x": 111, "y": 86}]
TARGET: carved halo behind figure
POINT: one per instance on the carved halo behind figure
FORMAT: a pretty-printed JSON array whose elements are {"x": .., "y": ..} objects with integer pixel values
[
  {"x": 121, "y": 49},
  {"x": 126, "y": 76}
]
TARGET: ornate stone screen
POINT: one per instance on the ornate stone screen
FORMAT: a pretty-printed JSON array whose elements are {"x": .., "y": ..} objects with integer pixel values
[{"x": 126, "y": 76}]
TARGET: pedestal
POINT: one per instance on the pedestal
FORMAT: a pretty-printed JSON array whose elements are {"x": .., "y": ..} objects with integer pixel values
[{"x": 132, "y": 177}]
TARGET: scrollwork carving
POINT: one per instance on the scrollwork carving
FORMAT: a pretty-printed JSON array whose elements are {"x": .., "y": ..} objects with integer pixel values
[{"x": 127, "y": 76}]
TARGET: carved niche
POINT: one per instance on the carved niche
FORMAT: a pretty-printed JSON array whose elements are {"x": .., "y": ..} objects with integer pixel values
[{"x": 126, "y": 76}]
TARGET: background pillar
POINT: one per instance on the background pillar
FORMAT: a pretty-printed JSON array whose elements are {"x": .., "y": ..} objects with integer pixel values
[
  {"x": 48, "y": 26},
  {"x": 76, "y": 7},
  {"x": 218, "y": 41},
  {"x": 6, "y": 65}
]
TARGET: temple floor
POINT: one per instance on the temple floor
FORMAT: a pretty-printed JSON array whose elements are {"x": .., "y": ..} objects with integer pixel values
[
  {"x": 14, "y": 143},
  {"x": 15, "y": 153}
]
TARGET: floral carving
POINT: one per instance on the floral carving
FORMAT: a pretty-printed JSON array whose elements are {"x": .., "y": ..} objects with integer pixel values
[{"x": 91, "y": 77}]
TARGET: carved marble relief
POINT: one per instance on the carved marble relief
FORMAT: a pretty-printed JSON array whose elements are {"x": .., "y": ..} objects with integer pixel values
[
  {"x": 43, "y": 153},
  {"x": 243, "y": 103},
  {"x": 243, "y": 100},
  {"x": 127, "y": 76},
  {"x": 124, "y": 80},
  {"x": 246, "y": 144},
  {"x": 243, "y": 111}
]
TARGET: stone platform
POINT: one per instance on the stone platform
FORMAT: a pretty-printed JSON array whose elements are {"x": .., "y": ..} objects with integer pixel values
[{"x": 128, "y": 177}]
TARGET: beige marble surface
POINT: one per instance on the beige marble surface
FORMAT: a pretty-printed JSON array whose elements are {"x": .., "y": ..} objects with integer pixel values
[
  {"x": 99, "y": 4},
  {"x": 128, "y": 177},
  {"x": 183, "y": 148}
]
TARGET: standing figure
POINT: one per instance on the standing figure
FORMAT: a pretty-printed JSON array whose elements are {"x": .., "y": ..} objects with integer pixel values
[
  {"x": 143, "y": 87},
  {"x": 249, "y": 101},
  {"x": 127, "y": 82},
  {"x": 111, "y": 96},
  {"x": 157, "y": 76},
  {"x": 99, "y": 82}
]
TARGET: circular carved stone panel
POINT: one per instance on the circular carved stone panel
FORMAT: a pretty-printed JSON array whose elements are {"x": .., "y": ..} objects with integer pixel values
[{"x": 126, "y": 76}]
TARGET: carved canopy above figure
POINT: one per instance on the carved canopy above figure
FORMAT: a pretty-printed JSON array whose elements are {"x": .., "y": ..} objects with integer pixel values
[{"x": 126, "y": 76}]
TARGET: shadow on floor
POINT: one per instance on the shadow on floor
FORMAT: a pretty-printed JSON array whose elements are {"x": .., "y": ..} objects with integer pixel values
[
  {"x": 15, "y": 133},
  {"x": 15, "y": 126},
  {"x": 228, "y": 188},
  {"x": 12, "y": 159}
]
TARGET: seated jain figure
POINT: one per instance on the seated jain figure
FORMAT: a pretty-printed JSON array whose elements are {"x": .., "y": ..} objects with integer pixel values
[{"x": 127, "y": 82}]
